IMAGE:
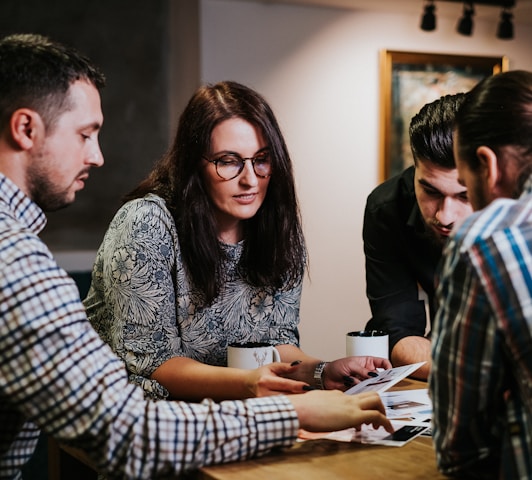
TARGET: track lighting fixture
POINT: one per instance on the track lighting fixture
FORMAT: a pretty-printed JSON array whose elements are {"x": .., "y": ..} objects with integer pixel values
[
  {"x": 428, "y": 20},
  {"x": 465, "y": 24},
  {"x": 505, "y": 30}
]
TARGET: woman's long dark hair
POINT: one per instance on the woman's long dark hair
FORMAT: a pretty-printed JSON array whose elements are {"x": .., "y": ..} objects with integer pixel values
[{"x": 274, "y": 251}]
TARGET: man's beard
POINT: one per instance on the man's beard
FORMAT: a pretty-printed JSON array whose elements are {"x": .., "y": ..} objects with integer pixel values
[
  {"x": 435, "y": 238},
  {"x": 49, "y": 201},
  {"x": 43, "y": 191}
]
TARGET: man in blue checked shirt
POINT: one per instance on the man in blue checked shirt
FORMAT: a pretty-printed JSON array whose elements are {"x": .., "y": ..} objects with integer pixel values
[
  {"x": 481, "y": 378},
  {"x": 56, "y": 374}
]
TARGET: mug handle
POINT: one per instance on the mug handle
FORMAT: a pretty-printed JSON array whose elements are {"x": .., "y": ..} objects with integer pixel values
[{"x": 276, "y": 355}]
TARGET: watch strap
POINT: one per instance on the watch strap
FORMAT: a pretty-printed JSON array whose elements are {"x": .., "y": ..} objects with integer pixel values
[{"x": 318, "y": 375}]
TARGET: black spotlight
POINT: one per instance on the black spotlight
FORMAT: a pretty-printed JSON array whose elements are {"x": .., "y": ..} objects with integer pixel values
[
  {"x": 465, "y": 24},
  {"x": 506, "y": 27},
  {"x": 428, "y": 21}
]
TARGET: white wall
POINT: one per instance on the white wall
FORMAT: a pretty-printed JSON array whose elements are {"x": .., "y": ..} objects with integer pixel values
[{"x": 318, "y": 68}]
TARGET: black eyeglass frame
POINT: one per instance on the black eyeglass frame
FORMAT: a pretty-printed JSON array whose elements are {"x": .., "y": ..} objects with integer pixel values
[{"x": 242, "y": 163}]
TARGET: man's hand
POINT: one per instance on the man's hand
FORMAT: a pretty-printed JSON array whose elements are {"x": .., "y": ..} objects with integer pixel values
[
  {"x": 327, "y": 411},
  {"x": 345, "y": 372}
]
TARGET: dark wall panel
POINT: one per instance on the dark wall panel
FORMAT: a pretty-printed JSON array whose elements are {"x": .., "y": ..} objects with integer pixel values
[{"x": 129, "y": 41}]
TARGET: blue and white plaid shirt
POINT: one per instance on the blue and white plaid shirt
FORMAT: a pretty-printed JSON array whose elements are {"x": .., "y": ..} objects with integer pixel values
[
  {"x": 56, "y": 374},
  {"x": 481, "y": 379}
]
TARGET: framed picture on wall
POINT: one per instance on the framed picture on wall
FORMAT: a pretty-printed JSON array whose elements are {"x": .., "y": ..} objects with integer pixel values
[{"x": 409, "y": 80}]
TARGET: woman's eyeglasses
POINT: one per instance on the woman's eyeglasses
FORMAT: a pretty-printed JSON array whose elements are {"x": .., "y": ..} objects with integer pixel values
[{"x": 230, "y": 165}]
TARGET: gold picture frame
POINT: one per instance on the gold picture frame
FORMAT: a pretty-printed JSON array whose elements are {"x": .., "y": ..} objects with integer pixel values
[{"x": 409, "y": 80}]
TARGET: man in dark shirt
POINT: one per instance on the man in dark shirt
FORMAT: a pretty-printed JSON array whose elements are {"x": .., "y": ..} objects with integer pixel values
[{"x": 406, "y": 222}]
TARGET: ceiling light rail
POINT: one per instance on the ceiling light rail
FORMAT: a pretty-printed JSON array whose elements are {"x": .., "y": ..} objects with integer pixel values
[{"x": 505, "y": 29}]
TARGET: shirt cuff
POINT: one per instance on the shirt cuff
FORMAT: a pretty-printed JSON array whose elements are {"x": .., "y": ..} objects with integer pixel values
[{"x": 276, "y": 422}]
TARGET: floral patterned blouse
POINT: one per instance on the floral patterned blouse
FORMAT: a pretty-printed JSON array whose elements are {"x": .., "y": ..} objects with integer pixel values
[{"x": 142, "y": 303}]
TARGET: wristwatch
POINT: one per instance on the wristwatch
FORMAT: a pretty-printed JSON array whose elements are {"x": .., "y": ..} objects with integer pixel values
[{"x": 318, "y": 374}]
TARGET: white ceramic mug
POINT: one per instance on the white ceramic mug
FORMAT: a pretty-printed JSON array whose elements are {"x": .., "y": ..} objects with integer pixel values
[
  {"x": 251, "y": 355},
  {"x": 372, "y": 343}
]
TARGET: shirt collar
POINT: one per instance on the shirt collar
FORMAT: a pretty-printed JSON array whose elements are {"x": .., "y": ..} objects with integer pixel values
[
  {"x": 14, "y": 201},
  {"x": 527, "y": 187}
]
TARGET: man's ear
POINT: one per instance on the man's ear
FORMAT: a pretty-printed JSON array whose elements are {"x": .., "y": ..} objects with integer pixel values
[
  {"x": 489, "y": 167},
  {"x": 25, "y": 126}
]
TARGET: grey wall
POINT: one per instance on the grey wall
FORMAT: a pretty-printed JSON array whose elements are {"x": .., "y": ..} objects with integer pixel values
[{"x": 130, "y": 42}]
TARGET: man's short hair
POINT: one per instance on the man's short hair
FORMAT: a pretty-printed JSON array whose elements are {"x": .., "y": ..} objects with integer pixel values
[
  {"x": 431, "y": 131},
  {"x": 36, "y": 73}
]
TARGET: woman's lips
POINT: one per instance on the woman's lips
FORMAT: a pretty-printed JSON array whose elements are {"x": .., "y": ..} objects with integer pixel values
[{"x": 245, "y": 198}]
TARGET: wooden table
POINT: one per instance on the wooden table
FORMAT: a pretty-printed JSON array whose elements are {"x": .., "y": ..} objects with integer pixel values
[{"x": 327, "y": 459}]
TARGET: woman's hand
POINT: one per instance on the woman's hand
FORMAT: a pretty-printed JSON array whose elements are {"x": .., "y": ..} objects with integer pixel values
[
  {"x": 326, "y": 411},
  {"x": 269, "y": 380},
  {"x": 188, "y": 379},
  {"x": 345, "y": 372}
]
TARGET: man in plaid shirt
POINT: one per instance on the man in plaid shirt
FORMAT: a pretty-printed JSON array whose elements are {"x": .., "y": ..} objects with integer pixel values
[
  {"x": 481, "y": 378},
  {"x": 56, "y": 374}
]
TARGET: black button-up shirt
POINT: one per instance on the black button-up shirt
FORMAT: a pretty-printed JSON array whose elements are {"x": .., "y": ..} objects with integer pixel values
[{"x": 401, "y": 256}]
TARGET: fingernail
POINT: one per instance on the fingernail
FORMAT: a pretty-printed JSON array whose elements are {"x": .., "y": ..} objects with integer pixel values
[
  {"x": 308, "y": 388},
  {"x": 373, "y": 374},
  {"x": 348, "y": 379},
  {"x": 295, "y": 362}
]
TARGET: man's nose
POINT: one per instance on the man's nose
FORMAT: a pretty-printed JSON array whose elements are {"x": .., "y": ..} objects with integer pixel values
[
  {"x": 446, "y": 213},
  {"x": 95, "y": 157}
]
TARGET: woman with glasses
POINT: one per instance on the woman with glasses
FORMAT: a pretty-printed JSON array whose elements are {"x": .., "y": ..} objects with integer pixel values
[{"x": 207, "y": 251}]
